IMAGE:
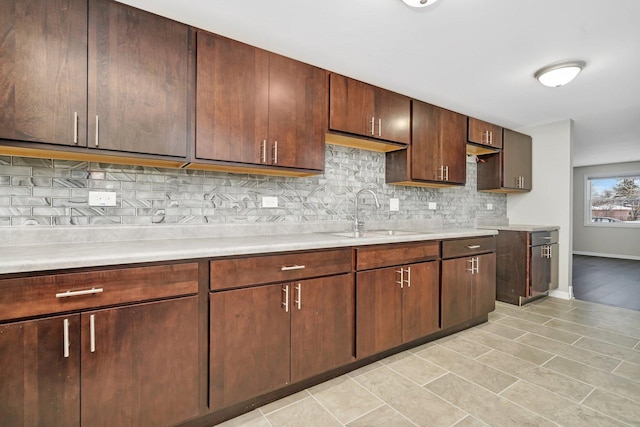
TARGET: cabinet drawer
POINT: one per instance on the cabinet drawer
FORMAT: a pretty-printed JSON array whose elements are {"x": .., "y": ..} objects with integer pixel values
[
  {"x": 544, "y": 238},
  {"x": 465, "y": 247},
  {"x": 388, "y": 255},
  {"x": 241, "y": 272},
  {"x": 34, "y": 296}
]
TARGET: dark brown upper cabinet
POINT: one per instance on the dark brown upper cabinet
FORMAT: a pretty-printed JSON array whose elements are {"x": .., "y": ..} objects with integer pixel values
[
  {"x": 43, "y": 71},
  {"x": 362, "y": 110},
  {"x": 483, "y": 137},
  {"x": 437, "y": 155},
  {"x": 256, "y": 107},
  {"x": 138, "y": 81},
  {"x": 508, "y": 171}
]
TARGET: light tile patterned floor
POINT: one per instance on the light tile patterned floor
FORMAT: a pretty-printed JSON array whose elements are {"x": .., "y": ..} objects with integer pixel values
[{"x": 552, "y": 362}]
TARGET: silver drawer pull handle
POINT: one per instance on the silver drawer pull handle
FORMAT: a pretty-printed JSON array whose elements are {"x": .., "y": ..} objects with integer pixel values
[
  {"x": 547, "y": 238},
  {"x": 78, "y": 293},
  {"x": 292, "y": 267},
  {"x": 65, "y": 338},
  {"x": 92, "y": 332},
  {"x": 473, "y": 247}
]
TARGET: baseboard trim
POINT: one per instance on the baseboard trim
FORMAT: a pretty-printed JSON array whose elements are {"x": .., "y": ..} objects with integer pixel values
[
  {"x": 603, "y": 255},
  {"x": 560, "y": 294}
]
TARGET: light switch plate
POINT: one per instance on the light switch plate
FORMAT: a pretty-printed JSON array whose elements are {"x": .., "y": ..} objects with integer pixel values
[
  {"x": 102, "y": 198},
  {"x": 269, "y": 202},
  {"x": 489, "y": 206},
  {"x": 432, "y": 206},
  {"x": 394, "y": 204}
]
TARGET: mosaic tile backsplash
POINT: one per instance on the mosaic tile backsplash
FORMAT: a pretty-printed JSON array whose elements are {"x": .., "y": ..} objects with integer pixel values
[{"x": 55, "y": 192}]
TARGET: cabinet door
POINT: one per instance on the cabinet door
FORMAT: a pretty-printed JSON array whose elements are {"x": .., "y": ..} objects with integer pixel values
[
  {"x": 484, "y": 133},
  {"x": 516, "y": 160},
  {"x": 438, "y": 144},
  {"x": 232, "y": 101},
  {"x": 378, "y": 311},
  {"x": 484, "y": 286},
  {"x": 540, "y": 270},
  {"x": 297, "y": 94},
  {"x": 420, "y": 300},
  {"x": 138, "y": 81},
  {"x": 250, "y": 343},
  {"x": 322, "y": 325},
  {"x": 457, "y": 291},
  {"x": 453, "y": 130},
  {"x": 351, "y": 106},
  {"x": 140, "y": 364},
  {"x": 392, "y": 116},
  {"x": 426, "y": 156},
  {"x": 43, "y": 71},
  {"x": 40, "y": 384}
]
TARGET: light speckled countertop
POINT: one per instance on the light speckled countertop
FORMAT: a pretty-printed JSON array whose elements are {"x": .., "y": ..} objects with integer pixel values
[
  {"x": 39, "y": 249},
  {"x": 521, "y": 227}
]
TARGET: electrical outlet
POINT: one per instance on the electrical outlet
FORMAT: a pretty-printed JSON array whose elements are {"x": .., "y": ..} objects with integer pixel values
[
  {"x": 269, "y": 202},
  {"x": 489, "y": 206},
  {"x": 102, "y": 198},
  {"x": 432, "y": 206},
  {"x": 394, "y": 204}
]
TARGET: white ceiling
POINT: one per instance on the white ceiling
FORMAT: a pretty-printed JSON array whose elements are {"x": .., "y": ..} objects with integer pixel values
[{"x": 475, "y": 57}]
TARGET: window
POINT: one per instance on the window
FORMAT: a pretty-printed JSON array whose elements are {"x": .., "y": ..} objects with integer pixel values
[{"x": 613, "y": 200}]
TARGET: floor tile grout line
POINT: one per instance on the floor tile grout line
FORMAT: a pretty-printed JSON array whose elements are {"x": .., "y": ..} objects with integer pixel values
[
  {"x": 366, "y": 413},
  {"x": 327, "y": 409},
  {"x": 558, "y": 396},
  {"x": 587, "y": 396},
  {"x": 265, "y": 417},
  {"x": 605, "y": 354},
  {"x": 288, "y": 404},
  {"x": 544, "y": 336}
]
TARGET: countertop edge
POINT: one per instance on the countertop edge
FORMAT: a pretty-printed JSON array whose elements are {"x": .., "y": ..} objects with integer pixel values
[{"x": 51, "y": 257}]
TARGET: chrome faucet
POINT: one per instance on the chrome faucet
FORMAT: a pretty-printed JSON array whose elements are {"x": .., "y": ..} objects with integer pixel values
[{"x": 357, "y": 223}]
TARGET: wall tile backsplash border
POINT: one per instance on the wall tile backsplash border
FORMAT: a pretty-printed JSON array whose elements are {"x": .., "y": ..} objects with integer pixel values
[{"x": 55, "y": 192}]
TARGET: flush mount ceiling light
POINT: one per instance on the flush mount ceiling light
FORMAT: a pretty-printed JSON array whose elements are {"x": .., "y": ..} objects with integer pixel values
[
  {"x": 559, "y": 74},
  {"x": 419, "y": 3}
]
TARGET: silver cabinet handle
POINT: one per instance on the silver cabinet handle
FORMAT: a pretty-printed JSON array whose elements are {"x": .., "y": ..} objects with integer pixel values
[
  {"x": 546, "y": 237},
  {"x": 373, "y": 125},
  {"x": 263, "y": 151},
  {"x": 97, "y": 132},
  {"x": 65, "y": 338},
  {"x": 490, "y": 137},
  {"x": 408, "y": 277},
  {"x": 477, "y": 263},
  {"x": 75, "y": 127},
  {"x": 292, "y": 267},
  {"x": 285, "y": 304},
  {"x": 401, "y": 281},
  {"x": 275, "y": 153},
  {"x": 379, "y": 127},
  {"x": 79, "y": 293},
  {"x": 446, "y": 168},
  {"x": 92, "y": 332},
  {"x": 472, "y": 269},
  {"x": 473, "y": 247},
  {"x": 298, "y": 300}
]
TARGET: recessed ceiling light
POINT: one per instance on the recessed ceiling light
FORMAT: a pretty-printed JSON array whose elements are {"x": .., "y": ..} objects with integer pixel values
[
  {"x": 419, "y": 3},
  {"x": 559, "y": 74}
]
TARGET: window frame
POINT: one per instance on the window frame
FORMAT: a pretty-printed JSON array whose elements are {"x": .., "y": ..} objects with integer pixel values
[{"x": 587, "y": 199}]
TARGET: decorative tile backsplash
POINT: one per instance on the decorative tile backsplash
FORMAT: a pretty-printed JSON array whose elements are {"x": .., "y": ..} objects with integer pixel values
[{"x": 55, "y": 192}]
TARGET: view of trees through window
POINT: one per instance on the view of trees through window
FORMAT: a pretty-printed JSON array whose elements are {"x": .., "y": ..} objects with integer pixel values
[{"x": 615, "y": 199}]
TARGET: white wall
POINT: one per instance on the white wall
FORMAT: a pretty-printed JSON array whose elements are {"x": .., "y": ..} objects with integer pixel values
[
  {"x": 597, "y": 240},
  {"x": 550, "y": 201}
]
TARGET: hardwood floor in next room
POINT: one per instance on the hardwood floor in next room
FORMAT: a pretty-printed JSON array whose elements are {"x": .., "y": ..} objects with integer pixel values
[
  {"x": 552, "y": 362},
  {"x": 610, "y": 281}
]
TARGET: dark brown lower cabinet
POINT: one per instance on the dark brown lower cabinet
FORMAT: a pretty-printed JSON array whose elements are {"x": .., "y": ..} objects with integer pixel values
[
  {"x": 396, "y": 305},
  {"x": 139, "y": 364},
  {"x": 39, "y": 383},
  {"x": 265, "y": 337},
  {"x": 468, "y": 288},
  {"x": 134, "y": 365}
]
